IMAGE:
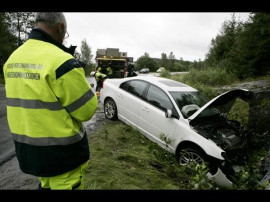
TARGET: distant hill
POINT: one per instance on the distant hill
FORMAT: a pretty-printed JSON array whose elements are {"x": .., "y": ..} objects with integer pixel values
[{"x": 159, "y": 59}]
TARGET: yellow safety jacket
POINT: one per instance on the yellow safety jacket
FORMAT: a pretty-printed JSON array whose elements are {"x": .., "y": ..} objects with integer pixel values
[
  {"x": 109, "y": 71},
  {"x": 99, "y": 76},
  {"x": 48, "y": 98}
]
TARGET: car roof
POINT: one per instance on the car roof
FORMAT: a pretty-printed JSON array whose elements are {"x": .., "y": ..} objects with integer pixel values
[{"x": 165, "y": 84}]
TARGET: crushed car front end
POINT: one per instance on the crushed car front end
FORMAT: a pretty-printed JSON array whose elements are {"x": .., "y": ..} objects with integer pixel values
[{"x": 211, "y": 122}]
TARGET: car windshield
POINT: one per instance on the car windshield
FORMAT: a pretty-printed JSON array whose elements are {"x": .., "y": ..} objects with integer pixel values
[{"x": 189, "y": 102}]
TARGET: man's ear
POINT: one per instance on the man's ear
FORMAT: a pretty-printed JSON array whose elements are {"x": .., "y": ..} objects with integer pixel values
[{"x": 60, "y": 28}]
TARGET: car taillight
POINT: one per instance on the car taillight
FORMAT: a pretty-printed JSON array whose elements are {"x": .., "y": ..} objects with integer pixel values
[
  {"x": 102, "y": 85},
  {"x": 125, "y": 72}
]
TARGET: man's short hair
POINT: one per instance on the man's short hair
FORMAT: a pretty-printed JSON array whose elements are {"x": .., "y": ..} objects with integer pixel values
[{"x": 50, "y": 18}]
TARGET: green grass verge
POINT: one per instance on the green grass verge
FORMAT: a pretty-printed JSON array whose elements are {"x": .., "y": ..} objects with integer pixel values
[
  {"x": 210, "y": 80},
  {"x": 122, "y": 158}
]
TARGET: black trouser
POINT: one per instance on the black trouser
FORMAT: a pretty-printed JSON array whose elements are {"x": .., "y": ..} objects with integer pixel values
[{"x": 99, "y": 84}]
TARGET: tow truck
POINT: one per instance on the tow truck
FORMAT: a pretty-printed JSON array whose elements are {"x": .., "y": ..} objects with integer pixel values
[{"x": 117, "y": 60}]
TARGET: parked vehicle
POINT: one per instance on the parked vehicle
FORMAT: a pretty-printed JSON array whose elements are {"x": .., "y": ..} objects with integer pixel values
[
  {"x": 161, "y": 69},
  {"x": 144, "y": 71},
  {"x": 197, "y": 129}
]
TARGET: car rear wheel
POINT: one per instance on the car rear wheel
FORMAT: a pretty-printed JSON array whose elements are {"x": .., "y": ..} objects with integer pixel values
[{"x": 110, "y": 109}]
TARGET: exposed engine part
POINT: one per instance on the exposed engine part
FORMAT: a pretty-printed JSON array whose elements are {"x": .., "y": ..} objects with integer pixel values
[{"x": 229, "y": 137}]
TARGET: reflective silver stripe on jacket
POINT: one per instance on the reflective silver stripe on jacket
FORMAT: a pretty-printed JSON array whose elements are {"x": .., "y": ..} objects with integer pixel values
[
  {"x": 80, "y": 102},
  {"x": 49, "y": 141},
  {"x": 38, "y": 104},
  {"x": 33, "y": 104}
]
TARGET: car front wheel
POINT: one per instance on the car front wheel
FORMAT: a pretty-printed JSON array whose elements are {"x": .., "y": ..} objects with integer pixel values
[
  {"x": 189, "y": 155},
  {"x": 110, "y": 109}
]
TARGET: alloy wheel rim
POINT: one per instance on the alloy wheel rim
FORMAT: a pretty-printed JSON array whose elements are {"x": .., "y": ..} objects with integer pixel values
[
  {"x": 188, "y": 157},
  {"x": 109, "y": 109}
]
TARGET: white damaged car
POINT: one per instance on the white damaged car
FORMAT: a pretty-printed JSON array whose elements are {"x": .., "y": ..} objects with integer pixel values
[{"x": 197, "y": 130}]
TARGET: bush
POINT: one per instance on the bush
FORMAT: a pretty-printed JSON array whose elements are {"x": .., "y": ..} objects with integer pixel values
[
  {"x": 209, "y": 76},
  {"x": 165, "y": 73}
]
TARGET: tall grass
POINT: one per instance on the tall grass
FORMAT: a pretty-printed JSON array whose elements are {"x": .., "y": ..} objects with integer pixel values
[
  {"x": 209, "y": 77},
  {"x": 165, "y": 73},
  {"x": 206, "y": 80},
  {"x": 122, "y": 158}
]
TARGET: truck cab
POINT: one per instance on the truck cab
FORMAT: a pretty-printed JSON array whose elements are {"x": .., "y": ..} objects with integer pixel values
[
  {"x": 118, "y": 66},
  {"x": 117, "y": 61}
]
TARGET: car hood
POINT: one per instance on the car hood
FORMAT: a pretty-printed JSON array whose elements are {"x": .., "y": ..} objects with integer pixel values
[{"x": 223, "y": 102}]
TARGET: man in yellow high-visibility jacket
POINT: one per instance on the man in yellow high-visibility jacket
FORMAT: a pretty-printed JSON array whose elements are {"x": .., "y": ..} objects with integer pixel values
[
  {"x": 48, "y": 99},
  {"x": 100, "y": 77},
  {"x": 109, "y": 71}
]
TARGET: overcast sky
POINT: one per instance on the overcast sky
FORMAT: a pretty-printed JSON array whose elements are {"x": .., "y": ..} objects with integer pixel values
[{"x": 187, "y": 35}]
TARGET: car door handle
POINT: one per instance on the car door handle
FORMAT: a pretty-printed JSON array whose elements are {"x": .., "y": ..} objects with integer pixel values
[
  {"x": 120, "y": 96},
  {"x": 145, "y": 109}
]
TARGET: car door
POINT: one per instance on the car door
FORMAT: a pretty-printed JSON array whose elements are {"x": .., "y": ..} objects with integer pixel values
[
  {"x": 152, "y": 120},
  {"x": 129, "y": 99}
]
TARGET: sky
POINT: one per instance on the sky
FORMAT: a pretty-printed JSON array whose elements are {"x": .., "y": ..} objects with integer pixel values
[{"x": 187, "y": 35}]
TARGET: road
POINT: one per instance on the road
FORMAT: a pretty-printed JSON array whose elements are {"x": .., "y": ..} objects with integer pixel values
[
  {"x": 11, "y": 177},
  {"x": 7, "y": 147}
]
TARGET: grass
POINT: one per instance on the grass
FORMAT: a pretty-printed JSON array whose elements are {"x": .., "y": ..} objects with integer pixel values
[
  {"x": 122, "y": 158},
  {"x": 240, "y": 112},
  {"x": 210, "y": 80},
  {"x": 204, "y": 80}
]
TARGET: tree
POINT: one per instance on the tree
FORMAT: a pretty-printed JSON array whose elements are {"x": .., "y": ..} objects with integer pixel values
[
  {"x": 164, "y": 61},
  {"x": 146, "y": 62},
  {"x": 254, "y": 43},
  {"x": 86, "y": 53},
  {"x": 7, "y": 41},
  {"x": 146, "y": 54},
  {"x": 243, "y": 48},
  {"x": 222, "y": 46},
  {"x": 21, "y": 23},
  {"x": 171, "y": 66},
  {"x": 77, "y": 55},
  {"x": 86, "y": 56}
]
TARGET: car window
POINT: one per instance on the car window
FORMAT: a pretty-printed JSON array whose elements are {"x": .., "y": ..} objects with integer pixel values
[
  {"x": 125, "y": 85},
  {"x": 135, "y": 87},
  {"x": 158, "y": 98},
  {"x": 188, "y": 102}
]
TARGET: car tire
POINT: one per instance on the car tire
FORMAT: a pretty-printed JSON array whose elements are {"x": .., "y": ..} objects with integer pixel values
[
  {"x": 110, "y": 109},
  {"x": 188, "y": 154},
  {"x": 195, "y": 155}
]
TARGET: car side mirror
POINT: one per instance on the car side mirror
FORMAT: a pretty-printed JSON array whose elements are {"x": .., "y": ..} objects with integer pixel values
[{"x": 168, "y": 113}]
